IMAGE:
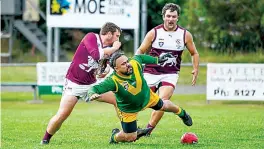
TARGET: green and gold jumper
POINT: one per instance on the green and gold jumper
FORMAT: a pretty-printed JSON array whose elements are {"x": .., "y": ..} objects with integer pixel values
[{"x": 132, "y": 92}]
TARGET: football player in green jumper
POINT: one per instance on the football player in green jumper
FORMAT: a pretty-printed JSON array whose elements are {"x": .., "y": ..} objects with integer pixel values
[{"x": 133, "y": 94}]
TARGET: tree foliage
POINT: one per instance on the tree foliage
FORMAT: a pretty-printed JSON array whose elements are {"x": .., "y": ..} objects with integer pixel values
[
  {"x": 226, "y": 25},
  {"x": 236, "y": 24}
]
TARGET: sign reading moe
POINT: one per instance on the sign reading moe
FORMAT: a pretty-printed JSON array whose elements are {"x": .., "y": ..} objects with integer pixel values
[{"x": 92, "y": 13}]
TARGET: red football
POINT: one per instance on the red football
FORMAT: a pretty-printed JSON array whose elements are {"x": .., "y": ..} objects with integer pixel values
[{"x": 189, "y": 138}]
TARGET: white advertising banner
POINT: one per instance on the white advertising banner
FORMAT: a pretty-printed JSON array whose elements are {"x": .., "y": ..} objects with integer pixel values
[
  {"x": 49, "y": 73},
  {"x": 235, "y": 81},
  {"x": 92, "y": 13}
]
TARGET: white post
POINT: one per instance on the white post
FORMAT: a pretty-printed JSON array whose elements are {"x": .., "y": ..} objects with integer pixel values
[
  {"x": 144, "y": 21},
  {"x": 49, "y": 44},
  {"x": 10, "y": 41},
  {"x": 56, "y": 44},
  {"x": 136, "y": 40}
]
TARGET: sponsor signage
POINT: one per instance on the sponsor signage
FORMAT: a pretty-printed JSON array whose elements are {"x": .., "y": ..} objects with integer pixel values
[
  {"x": 92, "y": 13},
  {"x": 51, "y": 77},
  {"x": 235, "y": 81}
]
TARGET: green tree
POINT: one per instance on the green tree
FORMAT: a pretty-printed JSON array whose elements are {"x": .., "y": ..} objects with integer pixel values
[{"x": 235, "y": 25}]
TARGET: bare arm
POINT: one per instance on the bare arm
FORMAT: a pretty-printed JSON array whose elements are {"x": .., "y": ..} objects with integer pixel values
[
  {"x": 195, "y": 55},
  {"x": 90, "y": 43},
  {"x": 143, "y": 48},
  {"x": 109, "y": 50}
]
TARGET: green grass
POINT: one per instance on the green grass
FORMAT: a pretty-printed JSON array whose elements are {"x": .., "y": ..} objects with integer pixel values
[
  {"x": 19, "y": 74},
  {"x": 29, "y": 74},
  {"x": 218, "y": 125}
]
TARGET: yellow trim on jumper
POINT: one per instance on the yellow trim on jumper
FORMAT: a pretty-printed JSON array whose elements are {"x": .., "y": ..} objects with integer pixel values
[{"x": 133, "y": 90}]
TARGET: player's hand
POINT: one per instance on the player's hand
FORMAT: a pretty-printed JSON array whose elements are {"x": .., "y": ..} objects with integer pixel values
[
  {"x": 102, "y": 67},
  {"x": 116, "y": 45},
  {"x": 195, "y": 74},
  {"x": 103, "y": 74},
  {"x": 94, "y": 97}
]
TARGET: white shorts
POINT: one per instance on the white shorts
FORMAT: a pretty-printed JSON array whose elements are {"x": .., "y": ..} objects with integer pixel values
[
  {"x": 155, "y": 80},
  {"x": 73, "y": 89}
]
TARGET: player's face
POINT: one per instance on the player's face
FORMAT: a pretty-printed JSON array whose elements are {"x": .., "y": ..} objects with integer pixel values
[
  {"x": 123, "y": 66},
  {"x": 114, "y": 37},
  {"x": 170, "y": 20}
]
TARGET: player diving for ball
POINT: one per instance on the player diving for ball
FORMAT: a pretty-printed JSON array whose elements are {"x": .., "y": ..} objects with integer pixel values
[{"x": 133, "y": 94}]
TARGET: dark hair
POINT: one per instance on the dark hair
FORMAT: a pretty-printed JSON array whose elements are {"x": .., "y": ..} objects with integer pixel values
[
  {"x": 109, "y": 27},
  {"x": 172, "y": 7},
  {"x": 114, "y": 57}
]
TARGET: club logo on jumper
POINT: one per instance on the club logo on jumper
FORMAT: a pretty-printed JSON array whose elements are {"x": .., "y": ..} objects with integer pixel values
[
  {"x": 161, "y": 42},
  {"x": 171, "y": 61},
  {"x": 59, "y": 7},
  {"x": 92, "y": 64},
  {"x": 178, "y": 43},
  {"x": 125, "y": 85}
]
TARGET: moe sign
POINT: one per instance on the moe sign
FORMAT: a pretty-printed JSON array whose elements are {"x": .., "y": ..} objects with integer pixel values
[{"x": 92, "y": 13}]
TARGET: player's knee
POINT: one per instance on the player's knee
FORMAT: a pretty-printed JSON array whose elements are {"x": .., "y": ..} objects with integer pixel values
[
  {"x": 62, "y": 115},
  {"x": 165, "y": 105},
  {"x": 131, "y": 137},
  {"x": 165, "y": 98}
]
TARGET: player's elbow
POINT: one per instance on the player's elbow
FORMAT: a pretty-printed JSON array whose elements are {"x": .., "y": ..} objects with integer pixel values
[
  {"x": 196, "y": 54},
  {"x": 95, "y": 55},
  {"x": 139, "y": 51}
]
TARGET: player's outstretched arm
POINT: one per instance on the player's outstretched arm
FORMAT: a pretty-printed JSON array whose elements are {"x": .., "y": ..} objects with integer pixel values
[
  {"x": 147, "y": 59},
  {"x": 107, "y": 85},
  {"x": 195, "y": 55}
]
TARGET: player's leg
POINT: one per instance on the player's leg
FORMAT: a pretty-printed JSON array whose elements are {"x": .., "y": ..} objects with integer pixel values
[
  {"x": 128, "y": 134},
  {"x": 130, "y": 131},
  {"x": 166, "y": 83},
  {"x": 122, "y": 136},
  {"x": 69, "y": 99},
  {"x": 66, "y": 106},
  {"x": 129, "y": 126},
  {"x": 165, "y": 92},
  {"x": 168, "y": 106}
]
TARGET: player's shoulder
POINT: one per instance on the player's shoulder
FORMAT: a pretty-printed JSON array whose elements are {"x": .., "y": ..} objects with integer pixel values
[
  {"x": 180, "y": 27},
  {"x": 154, "y": 29},
  {"x": 90, "y": 35},
  {"x": 185, "y": 30},
  {"x": 136, "y": 60},
  {"x": 110, "y": 78},
  {"x": 158, "y": 27}
]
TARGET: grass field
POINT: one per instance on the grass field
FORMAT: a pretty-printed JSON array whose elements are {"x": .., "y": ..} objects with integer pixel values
[{"x": 219, "y": 124}]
